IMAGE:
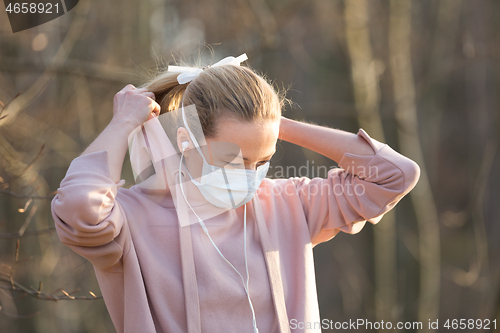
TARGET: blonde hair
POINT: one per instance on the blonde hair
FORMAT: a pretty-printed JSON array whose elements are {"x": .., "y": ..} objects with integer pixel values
[{"x": 237, "y": 92}]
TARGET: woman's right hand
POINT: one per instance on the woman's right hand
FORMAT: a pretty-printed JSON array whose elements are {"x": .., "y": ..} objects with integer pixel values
[{"x": 134, "y": 106}]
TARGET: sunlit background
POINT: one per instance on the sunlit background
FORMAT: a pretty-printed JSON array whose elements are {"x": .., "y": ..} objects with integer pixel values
[{"x": 421, "y": 76}]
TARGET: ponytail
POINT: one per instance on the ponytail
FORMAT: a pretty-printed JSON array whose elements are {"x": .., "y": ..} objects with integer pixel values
[{"x": 221, "y": 91}]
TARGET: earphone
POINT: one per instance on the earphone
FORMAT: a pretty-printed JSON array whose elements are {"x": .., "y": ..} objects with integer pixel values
[{"x": 185, "y": 145}]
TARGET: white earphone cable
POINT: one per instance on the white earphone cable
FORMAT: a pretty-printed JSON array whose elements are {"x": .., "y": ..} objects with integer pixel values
[{"x": 245, "y": 285}]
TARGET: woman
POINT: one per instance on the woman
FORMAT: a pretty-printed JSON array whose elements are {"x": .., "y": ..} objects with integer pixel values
[{"x": 249, "y": 268}]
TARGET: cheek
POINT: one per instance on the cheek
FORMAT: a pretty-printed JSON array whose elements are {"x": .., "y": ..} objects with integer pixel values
[{"x": 194, "y": 162}]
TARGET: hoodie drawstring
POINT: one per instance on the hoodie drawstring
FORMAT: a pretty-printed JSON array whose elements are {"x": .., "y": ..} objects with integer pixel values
[
  {"x": 189, "y": 281},
  {"x": 271, "y": 255}
]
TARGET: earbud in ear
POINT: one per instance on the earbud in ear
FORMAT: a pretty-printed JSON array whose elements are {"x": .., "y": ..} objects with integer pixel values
[{"x": 185, "y": 145}]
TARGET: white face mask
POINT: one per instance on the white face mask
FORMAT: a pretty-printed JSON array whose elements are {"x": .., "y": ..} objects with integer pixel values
[{"x": 226, "y": 187}]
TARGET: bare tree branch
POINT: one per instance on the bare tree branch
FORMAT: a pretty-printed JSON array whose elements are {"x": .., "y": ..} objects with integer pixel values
[
  {"x": 8, "y": 235},
  {"x": 17, "y": 287},
  {"x": 9, "y": 283}
]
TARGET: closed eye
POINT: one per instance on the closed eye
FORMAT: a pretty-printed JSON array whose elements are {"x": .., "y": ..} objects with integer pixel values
[
  {"x": 262, "y": 163},
  {"x": 233, "y": 165},
  {"x": 238, "y": 165}
]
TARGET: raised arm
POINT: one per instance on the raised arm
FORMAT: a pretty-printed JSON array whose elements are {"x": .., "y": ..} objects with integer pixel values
[
  {"x": 87, "y": 216},
  {"x": 329, "y": 142},
  {"x": 371, "y": 179}
]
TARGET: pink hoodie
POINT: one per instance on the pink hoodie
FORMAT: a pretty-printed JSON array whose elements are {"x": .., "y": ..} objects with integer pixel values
[{"x": 157, "y": 277}]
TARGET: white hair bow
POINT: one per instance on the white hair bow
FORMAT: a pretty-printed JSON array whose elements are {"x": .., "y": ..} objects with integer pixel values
[{"x": 189, "y": 73}]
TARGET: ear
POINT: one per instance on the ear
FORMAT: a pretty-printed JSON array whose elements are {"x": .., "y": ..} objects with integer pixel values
[{"x": 182, "y": 136}]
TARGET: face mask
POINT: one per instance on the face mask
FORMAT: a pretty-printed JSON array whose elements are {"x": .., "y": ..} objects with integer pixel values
[{"x": 226, "y": 187}]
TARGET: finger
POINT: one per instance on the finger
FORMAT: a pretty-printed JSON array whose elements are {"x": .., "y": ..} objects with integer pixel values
[
  {"x": 153, "y": 114},
  {"x": 156, "y": 108},
  {"x": 150, "y": 95},
  {"x": 144, "y": 91}
]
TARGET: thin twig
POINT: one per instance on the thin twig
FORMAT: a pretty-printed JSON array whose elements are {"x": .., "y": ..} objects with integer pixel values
[
  {"x": 28, "y": 220},
  {"x": 13, "y": 285},
  {"x": 7, "y": 235},
  {"x": 41, "y": 295}
]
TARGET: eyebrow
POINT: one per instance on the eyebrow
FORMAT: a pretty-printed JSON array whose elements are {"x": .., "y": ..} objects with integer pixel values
[{"x": 246, "y": 159}]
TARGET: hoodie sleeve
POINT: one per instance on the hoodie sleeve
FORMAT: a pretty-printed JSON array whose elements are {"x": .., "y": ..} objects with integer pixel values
[
  {"x": 87, "y": 217},
  {"x": 363, "y": 188}
]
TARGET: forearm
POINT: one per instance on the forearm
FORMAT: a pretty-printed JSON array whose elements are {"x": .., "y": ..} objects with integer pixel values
[
  {"x": 329, "y": 142},
  {"x": 114, "y": 140}
]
